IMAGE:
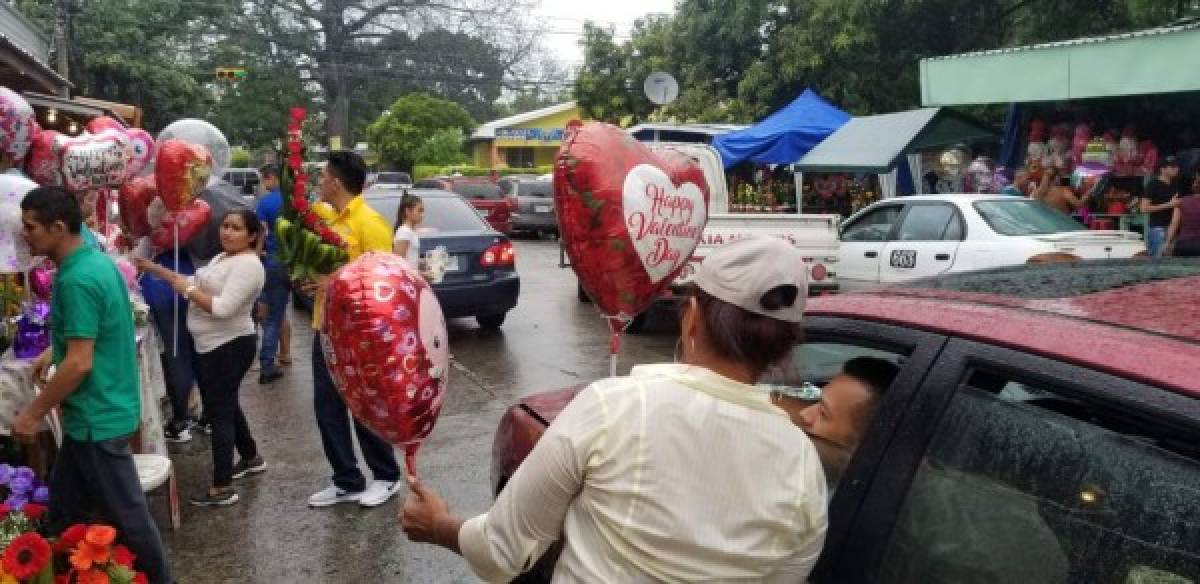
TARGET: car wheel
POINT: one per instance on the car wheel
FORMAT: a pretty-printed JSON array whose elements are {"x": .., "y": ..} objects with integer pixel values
[
  {"x": 583, "y": 296},
  {"x": 638, "y": 324},
  {"x": 491, "y": 321}
]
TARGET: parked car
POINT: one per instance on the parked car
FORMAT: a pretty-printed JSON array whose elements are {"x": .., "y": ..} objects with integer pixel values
[
  {"x": 907, "y": 238},
  {"x": 246, "y": 180},
  {"x": 482, "y": 280},
  {"x": 389, "y": 179},
  {"x": 484, "y": 195},
  {"x": 1044, "y": 426},
  {"x": 535, "y": 205}
]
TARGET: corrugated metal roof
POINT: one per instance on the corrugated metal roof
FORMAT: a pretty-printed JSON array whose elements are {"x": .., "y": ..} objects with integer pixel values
[
  {"x": 34, "y": 61},
  {"x": 873, "y": 144},
  {"x": 1181, "y": 26}
]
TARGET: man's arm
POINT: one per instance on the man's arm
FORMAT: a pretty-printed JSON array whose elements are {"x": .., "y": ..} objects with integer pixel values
[
  {"x": 1149, "y": 207},
  {"x": 75, "y": 367},
  {"x": 1173, "y": 229}
]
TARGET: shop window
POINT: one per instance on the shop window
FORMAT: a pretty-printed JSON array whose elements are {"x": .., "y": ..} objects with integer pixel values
[
  {"x": 519, "y": 157},
  {"x": 1024, "y": 484}
]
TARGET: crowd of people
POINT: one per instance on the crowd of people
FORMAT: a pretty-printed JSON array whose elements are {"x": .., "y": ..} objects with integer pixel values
[{"x": 624, "y": 518}]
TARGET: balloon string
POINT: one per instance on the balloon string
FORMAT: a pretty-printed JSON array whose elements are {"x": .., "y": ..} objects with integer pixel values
[
  {"x": 410, "y": 460},
  {"x": 175, "y": 328},
  {"x": 614, "y": 349}
]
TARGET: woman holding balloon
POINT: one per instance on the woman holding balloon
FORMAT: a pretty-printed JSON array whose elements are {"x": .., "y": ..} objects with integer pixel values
[
  {"x": 221, "y": 298},
  {"x": 677, "y": 472}
]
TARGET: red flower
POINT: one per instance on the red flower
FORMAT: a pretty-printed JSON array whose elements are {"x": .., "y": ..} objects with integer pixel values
[
  {"x": 295, "y": 161},
  {"x": 34, "y": 511},
  {"x": 140, "y": 578},
  {"x": 293, "y": 128},
  {"x": 5, "y": 509},
  {"x": 26, "y": 556},
  {"x": 62, "y": 579},
  {"x": 301, "y": 205},
  {"x": 298, "y": 114},
  {"x": 70, "y": 537},
  {"x": 294, "y": 146},
  {"x": 123, "y": 556}
]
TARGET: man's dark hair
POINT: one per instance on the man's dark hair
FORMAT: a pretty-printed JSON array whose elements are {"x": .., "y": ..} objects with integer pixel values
[
  {"x": 756, "y": 340},
  {"x": 53, "y": 204},
  {"x": 269, "y": 170},
  {"x": 349, "y": 168},
  {"x": 877, "y": 374}
]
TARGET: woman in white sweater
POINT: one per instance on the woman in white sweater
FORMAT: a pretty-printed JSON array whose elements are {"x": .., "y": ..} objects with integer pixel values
[{"x": 221, "y": 299}]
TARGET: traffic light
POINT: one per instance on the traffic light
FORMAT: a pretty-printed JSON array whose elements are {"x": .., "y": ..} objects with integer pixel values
[{"x": 230, "y": 74}]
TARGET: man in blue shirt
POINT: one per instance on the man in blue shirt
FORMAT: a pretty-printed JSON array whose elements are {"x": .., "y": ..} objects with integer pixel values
[{"x": 277, "y": 288}]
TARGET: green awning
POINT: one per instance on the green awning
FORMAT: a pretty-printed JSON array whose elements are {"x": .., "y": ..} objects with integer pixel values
[
  {"x": 1135, "y": 63},
  {"x": 874, "y": 144}
]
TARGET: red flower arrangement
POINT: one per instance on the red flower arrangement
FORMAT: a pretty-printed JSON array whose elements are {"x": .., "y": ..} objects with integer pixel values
[
  {"x": 295, "y": 159},
  {"x": 26, "y": 556},
  {"x": 307, "y": 244},
  {"x": 93, "y": 557}
]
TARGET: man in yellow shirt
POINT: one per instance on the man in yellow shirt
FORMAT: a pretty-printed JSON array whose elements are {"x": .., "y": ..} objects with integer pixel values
[{"x": 364, "y": 230}]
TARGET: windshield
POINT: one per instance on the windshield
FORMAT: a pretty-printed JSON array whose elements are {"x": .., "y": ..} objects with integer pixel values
[
  {"x": 442, "y": 214},
  {"x": 394, "y": 178},
  {"x": 478, "y": 190},
  {"x": 1024, "y": 217},
  {"x": 542, "y": 188}
]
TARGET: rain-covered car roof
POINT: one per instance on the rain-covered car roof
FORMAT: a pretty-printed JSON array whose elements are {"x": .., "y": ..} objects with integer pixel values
[{"x": 1134, "y": 318}]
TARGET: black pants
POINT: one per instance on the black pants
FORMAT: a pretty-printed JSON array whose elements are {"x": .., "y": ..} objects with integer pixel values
[
  {"x": 333, "y": 421},
  {"x": 1188, "y": 249},
  {"x": 219, "y": 373},
  {"x": 97, "y": 481}
]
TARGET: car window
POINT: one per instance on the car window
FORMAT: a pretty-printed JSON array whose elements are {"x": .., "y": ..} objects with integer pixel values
[
  {"x": 393, "y": 178},
  {"x": 542, "y": 188},
  {"x": 874, "y": 226},
  {"x": 1022, "y": 483},
  {"x": 442, "y": 214},
  {"x": 429, "y": 184},
  {"x": 1024, "y": 217},
  {"x": 478, "y": 190},
  {"x": 930, "y": 223}
]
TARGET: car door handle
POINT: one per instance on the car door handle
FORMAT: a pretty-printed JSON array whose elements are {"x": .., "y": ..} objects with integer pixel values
[
  {"x": 871, "y": 254},
  {"x": 942, "y": 257}
]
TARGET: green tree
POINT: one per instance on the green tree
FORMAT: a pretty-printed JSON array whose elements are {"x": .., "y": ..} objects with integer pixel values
[
  {"x": 443, "y": 148},
  {"x": 239, "y": 157},
  {"x": 409, "y": 123}
]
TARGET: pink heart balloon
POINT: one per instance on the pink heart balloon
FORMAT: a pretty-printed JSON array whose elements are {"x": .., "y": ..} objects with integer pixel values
[{"x": 44, "y": 162}]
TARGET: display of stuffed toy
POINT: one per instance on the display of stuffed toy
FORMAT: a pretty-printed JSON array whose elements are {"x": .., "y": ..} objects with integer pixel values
[
  {"x": 1083, "y": 135},
  {"x": 1126, "y": 160},
  {"x": 1148, "y": 152}
]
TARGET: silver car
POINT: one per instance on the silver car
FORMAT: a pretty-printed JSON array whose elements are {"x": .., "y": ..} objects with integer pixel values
[{"x": 535, "y": 205}]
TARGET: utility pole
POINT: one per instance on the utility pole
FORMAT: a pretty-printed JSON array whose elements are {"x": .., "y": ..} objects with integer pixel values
[{"x": 60, "y": 38}]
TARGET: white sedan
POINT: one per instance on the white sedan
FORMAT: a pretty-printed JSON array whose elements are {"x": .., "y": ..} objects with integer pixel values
[{"x": 907, "y": 238}]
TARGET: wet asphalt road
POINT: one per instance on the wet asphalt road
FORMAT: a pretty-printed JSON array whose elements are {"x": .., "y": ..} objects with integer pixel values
[{"x": 550, "y": 340}]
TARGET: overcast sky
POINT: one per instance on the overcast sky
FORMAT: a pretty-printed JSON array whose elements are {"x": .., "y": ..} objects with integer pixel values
[{"x": 563, "y": 20}]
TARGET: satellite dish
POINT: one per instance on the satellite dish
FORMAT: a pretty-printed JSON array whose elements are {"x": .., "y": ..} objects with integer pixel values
[{"x": 661, "y": 88}]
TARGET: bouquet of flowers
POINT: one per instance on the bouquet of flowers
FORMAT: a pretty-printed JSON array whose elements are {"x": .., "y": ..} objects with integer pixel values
[
  {"x": 26, "y": 554},
  {"x": 94, "y": 559},
  {"x": 307, "y": 244}
]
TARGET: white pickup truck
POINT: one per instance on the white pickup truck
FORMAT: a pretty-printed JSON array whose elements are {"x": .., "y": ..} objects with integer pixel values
[{"x": 815, "y": 235}]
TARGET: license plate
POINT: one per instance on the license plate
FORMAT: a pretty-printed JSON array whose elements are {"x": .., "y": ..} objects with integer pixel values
[{"x": 543, "y": 209}]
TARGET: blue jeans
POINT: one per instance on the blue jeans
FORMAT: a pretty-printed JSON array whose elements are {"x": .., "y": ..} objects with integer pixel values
[
  {"x": 1156, "y": 241},
  {"x": 275, "y": 294},
  {"x": 333, "y": 420}
]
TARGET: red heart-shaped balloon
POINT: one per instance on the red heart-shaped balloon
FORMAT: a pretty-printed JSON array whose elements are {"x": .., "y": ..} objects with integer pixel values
[
  {"x": 385, "y": 343},
  {"x": 44, "y": 160},
  {"x": 134, "y": 202},
  {"x": 190, "y": 220},
  {"x": 181, "y": 171},
  {"x": 101, "y": 123},
  {"x": 629, "y": 218}
]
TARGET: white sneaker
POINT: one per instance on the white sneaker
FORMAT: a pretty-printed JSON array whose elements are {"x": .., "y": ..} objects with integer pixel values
[
  {"x": 333, "y": 495},
  {"x": 378, "y": 493}
]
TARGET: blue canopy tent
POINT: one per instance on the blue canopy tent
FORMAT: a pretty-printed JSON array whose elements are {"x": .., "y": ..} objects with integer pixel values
[{"x": 784, "y": 136}]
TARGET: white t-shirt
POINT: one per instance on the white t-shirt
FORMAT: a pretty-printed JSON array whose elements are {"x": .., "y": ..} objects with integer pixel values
[
  {"x": 406, "y": 233},
  {"x": 234, "y": 281}
]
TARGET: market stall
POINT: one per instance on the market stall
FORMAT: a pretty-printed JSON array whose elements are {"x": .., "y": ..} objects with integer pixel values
[
  {"x": 877, "y": 156},
  {"x": 1095, "y": 113}
]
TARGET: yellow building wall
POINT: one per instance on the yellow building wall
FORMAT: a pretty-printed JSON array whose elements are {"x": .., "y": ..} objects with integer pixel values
[
  {"x": 481, "y": 154},
  {"x": 544, "y": 156},
  {"x": 491, "y": 153}
]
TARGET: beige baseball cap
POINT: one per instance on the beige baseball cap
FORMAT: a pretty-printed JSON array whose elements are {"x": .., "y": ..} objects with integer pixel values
[{"x": 742, "y": 272}]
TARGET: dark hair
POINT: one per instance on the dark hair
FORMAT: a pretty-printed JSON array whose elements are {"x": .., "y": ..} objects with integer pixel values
[
  {"x": 406, "y": 202},
  {"x": 759, "y": 341},
  {"x": 254, "y": 227},
  {"x": 877, "y": 374},
  {"x": 349, "y": 168},
  {"x": 53, "y": 204},
  {"x": 269, "y": 170}
]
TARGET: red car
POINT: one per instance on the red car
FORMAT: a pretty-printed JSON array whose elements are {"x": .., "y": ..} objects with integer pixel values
[
  {"x": 486, "y": 196},
  {"x": 1044, "y": 427}
]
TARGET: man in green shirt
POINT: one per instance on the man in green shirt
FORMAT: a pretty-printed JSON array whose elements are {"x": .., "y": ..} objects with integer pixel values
[{"x": 96, "y": 382}]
